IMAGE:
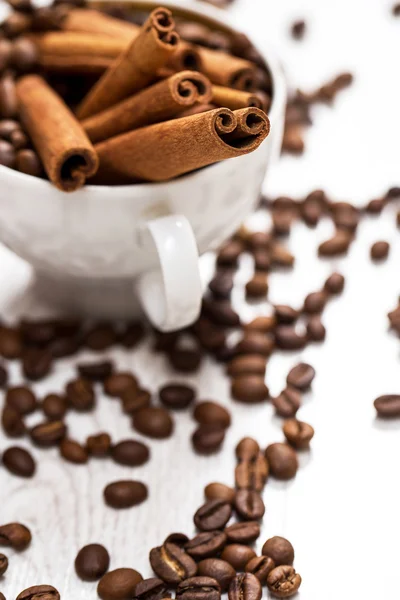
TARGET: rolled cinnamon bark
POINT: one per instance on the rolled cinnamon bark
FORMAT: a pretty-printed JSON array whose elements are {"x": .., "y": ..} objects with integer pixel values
[
  {"x": 196, "y": 109},
  {"x": 86, "y": 20},
  {"x": 156, "y": 103},
  {"x": 135, "y": 68},
  {"x": 186, "y": 56},
  {"x": 166, "y": 150},
  {"x": 66, "y": 152},
  {"x": 227, "y": 70},
  {"x": 235, "y": 99}
]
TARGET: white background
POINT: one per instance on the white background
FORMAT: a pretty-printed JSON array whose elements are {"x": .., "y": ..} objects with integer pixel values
[{"x": 342, "y": 510}]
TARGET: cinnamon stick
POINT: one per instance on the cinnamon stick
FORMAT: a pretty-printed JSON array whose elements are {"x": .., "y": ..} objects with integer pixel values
[
  {"x": 227, "y": 70},
  {"x": 196, "y": 109},
  {"x": 87, "y": 20},
  {"x": 66, "y": 152},
  {"x": 156, "y": 103},
  {"x": 235, "y": 99},
  {"x": 135, "y": 68},
  {"x": 166, "y": 150}
]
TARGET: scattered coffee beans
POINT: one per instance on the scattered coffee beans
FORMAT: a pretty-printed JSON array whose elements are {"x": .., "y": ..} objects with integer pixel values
[
  {"x": 334, "y": 284},
  {"x": 287, "y": 338},
  {"x": 247, "y": 364},
  {"x": 151, "y": 589},
  {"x": 206, "y": 544},
  {"x": 219, "y": 491},
  {"x": 117, "y": 383},
  {"x": 245, "y": 586},
  {"x": 280, "y": 550},
  {"x": 379, "y": 250},
  {"x": 130, "y": 453},
  {"x": 125, "y": 494},
  {"x": 255, "y": 342},
  {"x": 301, "y": 376},
  {"x": 39, "y": 592},
  {"x": 257, "y": 287},
  {"x": 218, "y": 569},
  {"x": 249, "y": 389},
  {"x": 119, "y": 584},
  {"x": 91, "y": 562},
  {"x": 237, "y": 555},
  {"x": 73, "y": 452},
  {"x": 243, "y": 532},
  {"x": 49, "y": 433},
  {"x": 252, "y": 474},
  {"x": 54, "y": 407},
  {"x": 153, "y": 421},
  {"x": 36, "y": 363},
  {"x": 15, "y": 535},
  {"x": 19, "y": 462},
  {"x": 249, "y": 505},
  {"x": 316, "y": 331},
  {"x": 208, "y": 439},
  {"x": 283, "y": 581},
  {"x": 98, "y": 371},
  {"x": 198, "y": 588},
  {"x": 314, "y": 303},
  {"x": 80, "y": 394},
  {"x": 388, "y": 406},
  {"x": 214, "y": 514},
  {"x": 176, "y": 396},
  {"x": 172, "y": 564},
  {"x": 260, "y": 566},
  {"x": 185, "y": 361},
  {"x": 98, "y": 445},
  {"x": 211, "y": 413},
  {"x": 247, "y": 449},
  {"x": 287, "y": 403},
  {"x": 21, "y": 399},
  {"x": 298, "y": 433},
  {"x": 282, "y": 461},
  {"x": 298, "y": 29},
  {"x": 3, "y": 564},
  {"x": 12, "y": 422}
]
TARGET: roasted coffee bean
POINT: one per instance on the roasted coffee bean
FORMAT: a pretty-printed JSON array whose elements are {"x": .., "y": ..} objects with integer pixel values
[
  {"x": 245, "y": 532},
  {"x": 281, "y": 257},
  {"x": 214, "y": 514},
  {"x": 207, "y": 439},
  {"x": 151, "y": 589},
  {"x": 280, "y": 550},
  {"x": 36, "y": 363},
  {"x": 263, "y": 324},
  {"x": 255, "y": 342},
  {"x": 237, "y": 555},
  {"x": 298, "y": 29},
  {"x": 16, "y": 24},
  {"x": 314, "y": 303},
  {"x": 19, "y": 141},
  {"x": 118, "y": 383},
  {"x": 54, "y": 407},
  {"x": 98, "y": 445},
  {"x": 80, "y": 394},
  {"x": 252, "y": 474},
  {"x": 155, "y": 422},
  {"x": 19, "y": 462},
  {"x": 10, "y": 340},
  {"x": 388, "y": 405},
  {"x": 219, "y": 491},
  {"x": 49, "y": 433},
  {"x": 285, "y": 315},
  {"x": 298, "y": 433},
  {"x": 282, "y": 460},
  {"x": 247, "y": 364},
  {"x": 221, "y": 285},
  {"x": 245, "y": 586},
  {"x": 229, "y": 253},
  {"x": 220, "y": 570},
  {"x": 39, "y": 592},
  {"x": 259, "y": 239},
  {"x": 3, "y": 376},
  {"x": 65, "y": 345},
  {"x": 225, "y": 353},
  {"x": 179, "y": 539},
  {"x": 15, "y": 535},
  {"x": 130, "y": 453},
  {"x": 212, "y": 413},
  {"x": 24, "y": 55},
  {"x": 7, "y": 154},
  {"x": 48, "y": 18},
  {"x": 206, "y": 544},
  {"x": 375, "y": 207},
  {"x": 166, "y": 342},
  {"x": 260, "y": 566},
  {"x": 118, "y": 584},
  {"x": 177, "y": 395},
  {"x": 262, "y": 260},
  {"x": 249, "y": 505},
  {"x": 211, "y": 337},
  {"x": 124, "y": 494},
  {"x": 221, "y": 313},
  {"x": 257, "y": 287},
  {"x": 8, "y": 126},
  {"x": 316, "y": 331},
  {"x": 287, "y": 403},
  {"x": 345, "y": 217},
  {"x": 8, "y": 98},
  {"x": 133, "y": 400},
  {"x": 287, "y": 338},
  {"x": 12, "y": 422},
  {"x": 73, "y": 452},
  {"x": 198, "y": 588},
  {"x": 249, "y": 389},
  {"x": 98, "y": 371},
  {"x": 5, "y": 53},
  {"x": 311, "y": 210},
  {"x": 101, "y": 337},
  {"x": 132, "y": 335},
  {"x": 3, "y": 564},
  {"x": 38, "y": 332},
  {"x": 301, "y": 376},
  {"x": 91, "y": 562},
  {"x": 380, "y": 250},
  {"x": 247, "y": 449},
  {"x": 283, "y": 581},
  {"x": 282, "y": 220},
  {"x": 334, "y": 284},
  {"x": 172, "y": 564},
  {"x": 27, "y": 161},
  {"x": 185, "y": 360},
  {"x": 338, "y": 244},
  {"x": 22, "y": 399}
]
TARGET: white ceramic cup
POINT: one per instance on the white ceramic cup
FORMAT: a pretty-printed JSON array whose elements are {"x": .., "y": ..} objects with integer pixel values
[{"x": 109, "y": 252}]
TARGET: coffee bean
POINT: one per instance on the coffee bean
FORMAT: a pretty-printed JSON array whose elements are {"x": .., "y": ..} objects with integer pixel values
[
  {"x": 257, "y": 287},
  {"x": 301, "y": 376},
  {"x": 63, "y": 346},
  {"x": 316, "y": 331},
  {"x": 249, "y": 505},
  {"x": 380, "y": 250},
  {"x": 247, "y": 364},
  {"x": 282, "y": 220},
  {"x": 211, "y": 337},
  {"x": 338, "y": 244},
  {"x": 206, "y": 544},
  {"x": 259, "y": 239},
  {"x": 298, "y": 433},
  {"x": 298, "y": 29},
  {"x": 80, "y": 394},
  {"x": 132, "y": 335},
  {"x": 155, "y": 422},
  {"x": 179, "y": 539},
  {"x": 118, "y": 584},
  {"x": 314, "y": 303},
  {"x": 125, "y": 494},
  {"x": 12, "y": 422},
  {"x": 285, "y": 315},
  {"x": 36, "y": 363},
  {"x": 3, "y": 376},
  {"x": 375, "y": 207},
  {"x": 15, "y": 24},
  {"x": 7, "y": 154},
  {"x": 280, "y": 550},
  {"x": 172, "y": 564},
  {"x": 3, "y": 564},
  {"x": 262, "y": 260},
  {"x": 243, "y": 533},
  {"x": 198, "y": 588},
  {"x": 48, "y": 18},
  {"x": 130, "y": 453},
  {"x": 54, "y": 407},
  {"x": 5, "y": 53},
  {"x": 28, "y": 162},
  {"x": 49, "y": 433},
  {"x": 260, "y": 566},
  {"x": 283, "y": 581},
  {"x": 345, "y": 217},
  {"x": 19, "y": 461},
  {"x": 98, "y": 445},
  {"x": 287, "y": 338},
  {"x": 221, "y": 285},
  {"x": 39, "y": 592},
  {"x": 249, "y": 389},
  {"x": 15, "y": 535},
  {"x": 91, "y": 562},
  {"x": 229, "y": 253},
  {"x": 19, "y": 141},
  {"x": 287, "y": 403},
  {"x": 281, "y": 257},
  {"x": 212, "y": 413},
  {"x": 118, "y": 383},
  {"x": 311, "y": 210},
  {"x": 245, "y": 586},
  {"x": 21, "y": 399},
  {"x": 24, "y": 55},
  {"x": 73, "y": 452},
  {"x": 208, "y": 439},
  {"x": 101, "y": 337},
  {"x": 98, "y": 371},
  {"x": 252, "y": 474},
  {"x": 263, "y": 324},
  {"x": 225, "y": 353},
  {"x": 150, "y": 589},
  {"x": 237, "y": 555},
  {"x": 221, "y": 312},
  {"x": 220, "y": 570},
  {"x": 185, "y": 361},
  {"x": 282, "y": 461},
  {"x": 388, "y": 406},
  {"x": 247, "y": 449},
  {"x": 8, "y": 126},
  {"x": 255, "y": 342},
  {"x": 10, "y": 339},
  {"x": 8, "y": 98},
  {"x": 219, "y": 491},
  {"x": 135, "y": 399},
  {"x": 177, "y": 395},
  {"x": 334, "y": 284},
  {"x": 214, "y": 514}
]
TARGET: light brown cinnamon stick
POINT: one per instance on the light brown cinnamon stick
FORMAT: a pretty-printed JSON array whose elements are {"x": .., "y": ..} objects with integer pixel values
[
  {"x": 159, "y": 102},
  {"x": 196, "y": 109},
  {"x": 66, "y": 152},
  {"x": 136, "y": 67},
  {"x": 227, "y": 70},
  {"x": 166, "y": 150},
  {"x": 235, "y": 99},
  {"x": 86, "y": 20}
]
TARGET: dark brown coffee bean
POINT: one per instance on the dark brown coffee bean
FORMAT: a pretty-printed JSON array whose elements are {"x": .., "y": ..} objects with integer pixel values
[
  {"x": 262, "y": 324},
  {"x": 36, "y": 363},
  {"x": 19, "y": 462},
  {"x": 212, "y": 413},
  {"x": 298, "y": 433},
  {"x": 118, "y": 584},
  {"x": 172, "y": 564},
  {"x": 334, "y": 284},
  {"x": 298, "y": 29},
  {"x": 247, "y": 364},
  {"x": 254, "y": 342},
  {"x": 225, "y": 353},
  {"x": 63, "y": 346},
  {"x": 259, "y": 239},
  {"x": 185, "y": 361},
  {"x": 380, "y": 250},
  {"x": 257, "y": 287},
  {"x": 229, "y": 253},
  {"x": 220, "y": 570},
  {"x": 375, "y": 207},
  {"x": 118, "y": 383},
  {"x": 101, "y": 337},
  {"x": 48, "y": 18},
  {"x": 285, "y": 315},
  {"x": 73, "y": 452},
  {"x": 311, "y": 211},
  {"x": 207, "y": 439},
  {"x": 198, "y": 588},
  {"x": 282, "y": 461},
  {"x": 153, "y": 421},
  {"x": 283, "y": 581},
  {"x": 249, "y": 389},
  {"x": 151, "y": 589},
  {"x": 39, "y": 592},
  {"x": 281, "y": 257},
  {"x": 301, "y": 376},
  {"x": 28, "y": 162},
  {"x": 166, "y": 341},
  {"x": 388, "y": 406},
  {"x": 16, "y": 24},
  {"x": 80, "y": 394},
  {"x": 262, "y": 260},
  {"x": 345, "y": 217},
  {"x": 211, "y": 337},
  {"x": 316, "y": 331},
  {"x": 91, "y": 562},
  {"x": 237, "y": 555},
  {"x": 8, "y": 98},
  {"x": 249, "y": 505},
  {"x": 3, "y": 564},
  {"x": 15, "y": 535},
  {"x": 10, "y": 340},
  {"x": 24, "y": 55},
  {"x": 5, "y": 53},
  {"x": 280, "y": 550},
  {"x": 315, "y": 302},
  {"x": 221, "y": 285},
  {"x": 21, "y": 399},
  {"x": 7, "y": 154},
  {"x": 49, "y": 433},
  {"x": 247, "y": 449},
  {"x": 54, "y": 407},
  {"x": 3, "y": 376},
  {"x": 219, "y": 491},
  {"x": 135, "y": 399},
  {"x": 38, "y": 332},
  {"x": 179, "y": 539},
  {"x": 282, "y": 220},
  {"x": 245, "y": 586},
  {"x": 130, "y": 453},
  {"x": 260, "y": 566},
  {"x": 287, "y": 338},
  {"x": 221, "y": 312},
  {"x": 206, "y": 544},
  {"x": 177, "y": 395},
  {"x": 98, "y": 445},
  {"x": 338, "y": 244},
  {"x": 252, "y": 474},
  {"x": 132, "y": 335},
  {"x": 243, "y": 533},
  {"x": 12, "y": 422},
  {"x": 19, "y": 140},
  {"x": 124, "y": 494},
  {"x": 287, "y": 403},
  {"x": 98, "y": 371},
  {"x": 214, "y": 514}
]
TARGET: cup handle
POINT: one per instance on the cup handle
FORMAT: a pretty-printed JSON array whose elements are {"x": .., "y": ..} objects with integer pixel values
[{"x": 171, "y": 293}]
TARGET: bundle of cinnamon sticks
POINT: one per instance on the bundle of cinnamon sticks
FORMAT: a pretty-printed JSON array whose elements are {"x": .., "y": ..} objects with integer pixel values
[{"x": 159, "y": 103}]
